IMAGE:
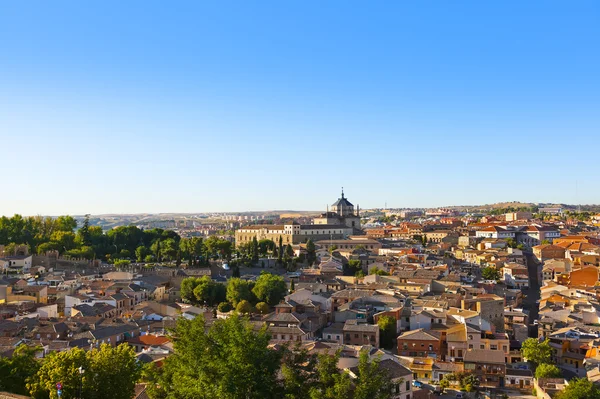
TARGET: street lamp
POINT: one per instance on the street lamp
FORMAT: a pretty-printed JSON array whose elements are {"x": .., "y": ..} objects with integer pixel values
[{"x": 81, "y": 371}]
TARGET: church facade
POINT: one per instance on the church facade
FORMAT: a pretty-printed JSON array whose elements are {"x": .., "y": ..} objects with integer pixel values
[{"x": 335, "y": 224}]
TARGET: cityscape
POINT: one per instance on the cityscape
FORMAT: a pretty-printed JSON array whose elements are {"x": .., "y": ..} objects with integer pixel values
[{"x": 300, "y": 200}]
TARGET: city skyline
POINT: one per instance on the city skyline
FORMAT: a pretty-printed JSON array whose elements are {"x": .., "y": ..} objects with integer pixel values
[{"x": 210, "y": 108}]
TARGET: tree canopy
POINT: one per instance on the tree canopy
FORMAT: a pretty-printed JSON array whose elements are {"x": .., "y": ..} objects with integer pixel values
[
  {"x": 270, "y": 288},
  {"x": 579, "y": 389},
  {"x": 536, "y": 352},
  {"x": 546, "y": 370},
  {"x": 387, "y": 331}
]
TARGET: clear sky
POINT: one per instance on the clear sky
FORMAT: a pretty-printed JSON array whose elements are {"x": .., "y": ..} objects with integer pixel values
[{"x": 154, "y": 106}]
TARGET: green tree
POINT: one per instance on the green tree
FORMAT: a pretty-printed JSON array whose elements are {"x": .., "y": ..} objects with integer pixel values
[
  {"x": 244, "y": 307},
  {"x": 469, "y": 382},
  {"x": 83, "y": 234},
  {"x": 209, "y": 292},
  {"x": 490, "y": 273},
  {"x": 579, "y": 389},
  {"x": 372, "y": 382},
  {"x": 280, "y": 250},
  {"x": 444, "y": 384},
  {"x": 254, "y": 250},
  {"x": 536, "y": 352},
  {"x": 265, "y": 246},
  {"x": 298, "y": 370},
  {"x": 262, "y": 308},
  {"x": 122, "y": 263},
  {"x": 546, "y": 370},
  {"x": 270, "y": 288},
  {"x": 225, "y": 307},
  {"x": 16, "y": 370},
  {"x": 331, "y": 384},
  {"x": 387, "y": 331},
  {"x": 65, "y": 223},
  {"x": 239, "y": 290},
  {"x": 311, "y": 252},
  {"x": 228, "y": 360},
  {"x": 108, "y": 373},
  {"x": 292, "y": 286},
  {"x": 511, "y": 242},
  {"x": 378, "y": 271},
  {"x": 187, "y": 288},
  {"x": 141, "y": 252}
]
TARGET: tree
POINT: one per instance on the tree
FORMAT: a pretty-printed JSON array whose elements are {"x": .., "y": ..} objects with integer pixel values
[
  {"x": 372, "y": 382},
  {"x": 187, "y": 288},
  {"x": 546, "y": 370},
  {"x": 292, "y": 286},
  {"x": 16, "y": 370},
  {"x": 536, "y": 352},
  {"x": 490, "y": 273},
  {"x": 209, "y": 292},
  {"x": 280, "y": 250},
  {"x": 511, "y": 242},
  {"x": 122, "y": 263},
  {"x": 254, "y": 250},
  {"x": 331, "y": 384},
  {"x": 311, "y": 252},
  {"x": 228, "y": 360},
  {"x": 545, "y": 242},
  {"x": 141, "y": 252},
  {"x": 469, "y": 382},
  {"x": 239, "y": 290},
  {"x": 265, "y": 246},
  {"x": 225, "y": 307},
  {"x": 108, "y": 373},
  {"x": 354, "y": 265},
  {"x": 579, "y": 389},
  {"x": 387, "y": 331},
  {"x": 244, "y": 307},
  {"x": 262, "y": 308},
  {"x": 298, "y": 371},
  {"x": 270, "y": 288},
  {"x": 378, "y": 271},
  {"x": 444, "y": 384},
  {"x": 83, "y": 234}
]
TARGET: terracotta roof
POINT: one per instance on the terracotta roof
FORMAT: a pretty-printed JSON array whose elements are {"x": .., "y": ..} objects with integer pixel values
[{"x": 149, "y": 340}]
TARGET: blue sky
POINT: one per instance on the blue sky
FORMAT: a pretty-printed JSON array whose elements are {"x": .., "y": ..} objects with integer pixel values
[{"x": 228, "y": 106}]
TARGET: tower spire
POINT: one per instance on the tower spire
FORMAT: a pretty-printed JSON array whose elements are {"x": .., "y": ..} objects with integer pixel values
[{"x": 342, "y": 192}]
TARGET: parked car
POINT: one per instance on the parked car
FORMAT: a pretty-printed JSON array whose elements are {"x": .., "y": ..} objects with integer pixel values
[
  {"x": 461, "y": 395},
  {"x": 417, "y": 384}
]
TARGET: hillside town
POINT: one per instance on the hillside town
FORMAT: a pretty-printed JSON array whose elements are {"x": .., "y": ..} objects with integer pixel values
[{"x": 448, "y": 303}]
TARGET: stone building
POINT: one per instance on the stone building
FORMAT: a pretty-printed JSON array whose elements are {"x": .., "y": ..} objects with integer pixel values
[{"x": 339, "y": 223}]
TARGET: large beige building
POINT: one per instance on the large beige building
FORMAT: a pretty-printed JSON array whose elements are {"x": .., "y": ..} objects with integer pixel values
[{"x": 339, "y": 223}]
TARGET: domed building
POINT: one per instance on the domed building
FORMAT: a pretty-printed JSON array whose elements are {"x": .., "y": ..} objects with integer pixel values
[
  {"x": 338, "y": 224},
  {"x": 341, "y": 213}
]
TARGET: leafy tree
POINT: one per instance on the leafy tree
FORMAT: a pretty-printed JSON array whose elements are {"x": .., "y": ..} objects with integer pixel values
[
  {"x": 354, "y": 265},
  {"x": 168, "y": 249},
  {"x": 511, "y": 242},
  {"x": 280, "y": 250},
  {"x": 141, "y": 252},
  {"x": 536, "y": 352},
  {"x": 331, "y": 384},
  {"x": 311, "y": 252},
  {"x": 270, "y": 288},
  {"x": 218, "y": 247},
  {"x": 149, "y": 258},
  {"x": 262, "y": 308},
  {"x": 372, "y": 382},
  {"x": 546, "y": 370},
  {"x": 444, "y": 384},
  {"x": 387, "y": 331},
  {"x": 254, "y": 249},
  {"x": 244, "y": 307},
  {"x": 378, "y": 271},
  {"x": 490, "y": 273},
  {"x": 239, "y": 290},
  {"x": 15, "y": 371},
  {"x": 187, "y": 288},
  {"x": 225, "y": 307},
  {"x": 298, "y": 370},
  {"x": 333, "y": 248},
  {"x": 579, "y": 389},
  {"x": 265, "y": 246},
  {"x": 469, "y": 382},
  {"x": 229, "y": 360},
  {"x": 209, "y": 292},
  {"x": 122, "y": 263},
  {"x": 65, "y": 223},
  {"x": 83, "y": 234},
  {"x": 108, "y": 373},
  {"x": 545, "y": 242}
]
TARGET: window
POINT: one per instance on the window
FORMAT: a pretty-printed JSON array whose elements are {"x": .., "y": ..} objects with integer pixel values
[
  {"x": 481, "y": 346},
  {"x": 355, "y": 335},
  {"x": 407, "y": 386}
]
